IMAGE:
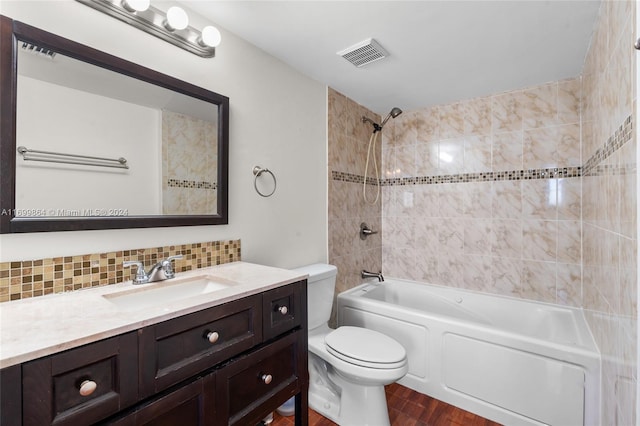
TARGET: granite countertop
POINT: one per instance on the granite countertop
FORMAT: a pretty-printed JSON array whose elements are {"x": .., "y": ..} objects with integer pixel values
[{"x": 41, "y": 326}]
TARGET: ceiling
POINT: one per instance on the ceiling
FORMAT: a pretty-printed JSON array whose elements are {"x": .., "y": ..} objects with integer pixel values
[{"x": 439, "y": 51}]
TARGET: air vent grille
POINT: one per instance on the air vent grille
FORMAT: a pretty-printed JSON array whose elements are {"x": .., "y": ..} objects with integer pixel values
[
  {"x": 364, "y": 53},
  {"x": 37, "y": 50}
]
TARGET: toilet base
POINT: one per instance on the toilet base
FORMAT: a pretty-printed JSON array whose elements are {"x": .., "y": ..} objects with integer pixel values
[{"x": 343, "y": 402}]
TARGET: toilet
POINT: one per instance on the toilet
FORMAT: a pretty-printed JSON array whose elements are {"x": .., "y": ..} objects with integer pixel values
[{"x": 348, "y": 366}]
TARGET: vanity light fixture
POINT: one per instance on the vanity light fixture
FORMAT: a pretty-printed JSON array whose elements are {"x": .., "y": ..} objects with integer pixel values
[
  {"x": 177, "y": 19},
  {"x": 136, "y": 5},
  {"x": 172, "y": 26}
]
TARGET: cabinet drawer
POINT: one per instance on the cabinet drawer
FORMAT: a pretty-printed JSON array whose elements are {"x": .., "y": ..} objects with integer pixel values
[
  {"x": 190, "y": 405},
  {"x": 177, "y": 349},
  {"x": 258, "y": 383},
  {"x": 51, "y": 391},
  {"x": 282, "y": 309}
]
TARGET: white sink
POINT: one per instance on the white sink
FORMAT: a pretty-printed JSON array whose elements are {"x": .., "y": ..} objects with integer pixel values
[{"x": 148, "y": 295}]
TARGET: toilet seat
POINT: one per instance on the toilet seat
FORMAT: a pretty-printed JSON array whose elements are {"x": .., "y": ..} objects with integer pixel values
[{"x": 366, "y": 348}]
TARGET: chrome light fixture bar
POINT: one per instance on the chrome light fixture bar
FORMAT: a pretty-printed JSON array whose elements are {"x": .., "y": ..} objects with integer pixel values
[{"x": 172, "y": 26}]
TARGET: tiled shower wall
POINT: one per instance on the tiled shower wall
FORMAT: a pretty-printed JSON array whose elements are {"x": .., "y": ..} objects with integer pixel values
[
  {"x": 609, "y": 201},
  {"x": 484, "y": 194},
  {"x": 532, "y": 194},
  {"x": 189, "y": 159},
  {"x": 348, "y": 143}
]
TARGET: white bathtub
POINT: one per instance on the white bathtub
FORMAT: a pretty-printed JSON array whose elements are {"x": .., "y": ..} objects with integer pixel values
[{"x": 512, "y": 361}]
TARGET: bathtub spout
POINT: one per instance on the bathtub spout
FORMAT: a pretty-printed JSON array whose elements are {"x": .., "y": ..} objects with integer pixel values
[{"x": 367, "y": 274}]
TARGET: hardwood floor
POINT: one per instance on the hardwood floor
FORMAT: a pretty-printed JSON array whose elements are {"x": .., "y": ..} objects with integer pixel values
[{"x": 408, "y": 408}]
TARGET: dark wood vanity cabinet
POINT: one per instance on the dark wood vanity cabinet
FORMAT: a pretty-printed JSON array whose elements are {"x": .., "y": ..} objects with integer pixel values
[
  {"x": 229, "y": 364},
  {"x": 246, "y": 386},
  {"x": 180, "y": 348},
  {"x": 82, "y": 385},
  {"x": 190, "y": 404}
]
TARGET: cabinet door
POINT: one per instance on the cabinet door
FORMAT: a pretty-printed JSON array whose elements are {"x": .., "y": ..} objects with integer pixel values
[
  {"x": 82, "y": 385},
  {"x": 283, "y": 309},
  {"x": 256, "y": 384},
  {"x": 175, "y": 350},
  {"x": 11, "y": 396},
  {"x": 189, "y": 405}
]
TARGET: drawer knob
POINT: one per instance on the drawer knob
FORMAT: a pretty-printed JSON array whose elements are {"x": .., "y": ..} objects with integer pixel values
[
  {"x": 283, "y": 310},
  {"x": 87, "y": 387},
  {"x": 266, "y": 378},
  {"x": 213, "y": 336}
]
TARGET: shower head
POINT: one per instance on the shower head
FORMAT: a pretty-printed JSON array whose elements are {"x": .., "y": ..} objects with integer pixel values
[{"x": 395, "y": 111}]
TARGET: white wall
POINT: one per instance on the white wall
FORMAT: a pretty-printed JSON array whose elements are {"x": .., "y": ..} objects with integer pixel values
[{"x": 277, "y": 120}]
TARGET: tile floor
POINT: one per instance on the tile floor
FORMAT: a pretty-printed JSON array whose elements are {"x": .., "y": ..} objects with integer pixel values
[{"x": 408, "y": 408}]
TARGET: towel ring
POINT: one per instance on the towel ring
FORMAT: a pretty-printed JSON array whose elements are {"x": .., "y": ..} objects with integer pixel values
[{"x": 257, "y": 171}]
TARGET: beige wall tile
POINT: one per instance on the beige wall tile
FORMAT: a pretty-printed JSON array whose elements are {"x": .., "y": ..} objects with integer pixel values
[
  {"x": 569, "y": 241},
  {"x": 452, "y": 122},
  {"x": 507, "y": 199},
  {"x": 451, "y": 156},
  {"x": 477, "y": 154},
  {"x": 507, "y": 111},
  {"x": 427, "y": 158},
  {"x": 539, "y": 239},
  {"x": 506, "y": 238},
  {"x": 569, "y": 100},
  {"x": 477, "y": 199},
  {"x": 569, "y": 197},
  {"x": 477, "y": 236},
  {"x": 477, "y": 116},
  {"x": 506, "y": 273},
  {"x": 405, "y": 129},
  {"x": 477, "y": 273},
  {"x": 569, "y": 285},
  {"x": 348, "y": 145},
  {"x": 507, "y": 151},
  {"x": 538, "y": 281},
  {"x": 427, "y": 124},
  {"x": 550, "y": 147},
  {"x": 540, "y": 106},
  {"x": 539, "y": 199}
]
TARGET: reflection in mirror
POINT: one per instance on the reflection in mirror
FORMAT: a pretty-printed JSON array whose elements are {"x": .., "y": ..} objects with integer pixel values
[
  {"x": 64, "y": 105},
  {"x": 165, "y": 141}
]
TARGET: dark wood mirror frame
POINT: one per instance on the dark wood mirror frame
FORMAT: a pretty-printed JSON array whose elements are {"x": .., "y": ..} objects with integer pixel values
[{"x": 10, "y": 32}]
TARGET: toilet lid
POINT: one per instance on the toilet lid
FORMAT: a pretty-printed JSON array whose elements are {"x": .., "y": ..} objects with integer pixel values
[{"x": 365, "y": 347}]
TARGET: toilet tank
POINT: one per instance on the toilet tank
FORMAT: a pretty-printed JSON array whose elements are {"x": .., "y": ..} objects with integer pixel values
[{"x": 320, "y": 289}]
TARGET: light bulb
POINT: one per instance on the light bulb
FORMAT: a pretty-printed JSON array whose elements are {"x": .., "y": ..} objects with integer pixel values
[
  {"x": 177, "y": 19},
  {"x": 136, "y": 5},
  {"x": 210, "y": 36}
]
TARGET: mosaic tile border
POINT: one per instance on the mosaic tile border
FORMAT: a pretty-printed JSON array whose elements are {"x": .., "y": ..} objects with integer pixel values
[
  {"x": 530, "y": 174},
  {"x": 592, "y": 167},
  {"x": 622, "y": 135},
  {"x": 351, "y": 177},
  {"x": 181, "y": 183},
  {"x": 32, "y": 278},
  {"x": 550, "y": 173}
]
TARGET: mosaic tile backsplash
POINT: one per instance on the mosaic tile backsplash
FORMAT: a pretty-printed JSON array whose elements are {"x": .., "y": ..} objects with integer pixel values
[{"x": 31, "y": 278}]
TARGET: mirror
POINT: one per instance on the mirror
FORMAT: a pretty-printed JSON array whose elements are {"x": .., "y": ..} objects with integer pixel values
[{"x": 91, "y": 141}]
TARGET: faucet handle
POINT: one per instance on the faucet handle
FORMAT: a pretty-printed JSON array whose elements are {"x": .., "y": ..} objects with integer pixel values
[
  {"x": 141, "y": 275},
  {"x": 167, "y": 266}
]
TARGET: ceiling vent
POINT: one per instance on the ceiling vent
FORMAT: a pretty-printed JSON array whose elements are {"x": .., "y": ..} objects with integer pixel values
[
  {"x": 364, "y": 53},
  {"x": 37, "y": 50}
]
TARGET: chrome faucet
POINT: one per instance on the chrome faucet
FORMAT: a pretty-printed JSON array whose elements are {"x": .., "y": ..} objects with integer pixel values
[
  {"x": 162, "y": 270},
  {"x": 367, "y": 274}
]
